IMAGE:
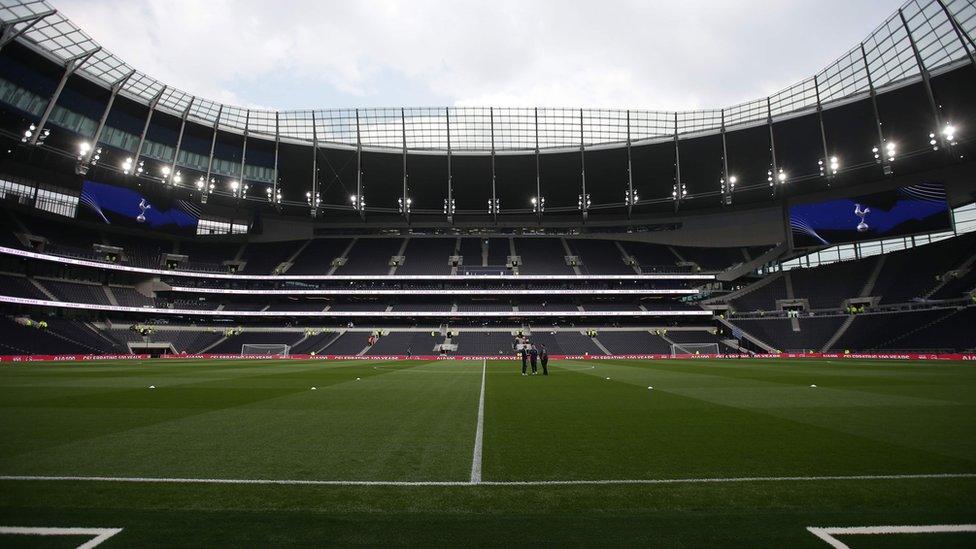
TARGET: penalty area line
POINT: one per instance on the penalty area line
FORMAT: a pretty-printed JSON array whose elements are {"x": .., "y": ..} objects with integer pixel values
[
  {"x": 827, "y": 533},
  {"x": 608, "y": 482},
  {"x": 99, "y": 535}
]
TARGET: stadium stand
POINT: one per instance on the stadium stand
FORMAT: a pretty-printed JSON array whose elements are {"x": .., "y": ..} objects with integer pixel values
[
  {"x": 637, "y": 342},
  {"x": 908, "y": 274},
  {"x": 233, "y": 344},
  {"x": 316, "y": 258},
  {"x": 812, "y": 335},
  {"x": 76, "y": 292},
  {"x": 711, "y": 259},
  {"x": 651, "y": 257},
  {"x": 762, "y": 295},
  {"x": 484, "y": 343},
  {"x": 265, "y": 257},
  {"x": 418, "y": 343},
  {"x": 847, "y": 280},
  {"x": 542, "y": 256},
  {"x": 566, "y": 343},
  {"x": 872, "y": 331},
  {"x": 349, "y": 343},
  {"x": 370, "y": 256},
  {"x": 427, "y": 256},
  {"x": 599, "y": 257}
]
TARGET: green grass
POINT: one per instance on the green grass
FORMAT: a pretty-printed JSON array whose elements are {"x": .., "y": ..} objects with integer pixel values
[{"x": 415, "y": 421}]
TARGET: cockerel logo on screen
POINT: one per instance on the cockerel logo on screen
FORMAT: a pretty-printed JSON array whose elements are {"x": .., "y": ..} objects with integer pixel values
[
  {"x": 861, "y": 213},
  {"x": 143, "y": 206}
]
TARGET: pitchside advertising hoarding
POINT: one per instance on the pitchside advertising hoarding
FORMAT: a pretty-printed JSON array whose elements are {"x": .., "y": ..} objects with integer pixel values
[
  {"x": 839, "y": 356},
  {"x": 904, "y": 211}
]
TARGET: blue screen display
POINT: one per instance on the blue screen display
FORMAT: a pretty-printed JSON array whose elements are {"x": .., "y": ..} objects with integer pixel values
[
  {"x": 122, "y": 206},
  {"x": 904, "y": 211}
]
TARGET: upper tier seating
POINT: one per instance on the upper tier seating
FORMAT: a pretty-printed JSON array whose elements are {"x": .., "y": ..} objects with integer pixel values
[
  {"x": 957, "y": 287},
  {"x": 498, "y": 251},
  {"x": 208, "y": 256},
  {"x": 909, "y": 274},
  {"x": 316, "y": 258},
  {"x": 427, "y": 256},
  {"x": 711, "y": 259},
  {"x": 762, "y": 298},
  {"x": 371, "y": 256},
  {"x": 542, "y": 256},
  {"x": 651, "y": 257},
  {"x": 471, "y": 251},
  {"x": 263, "y": 257},
  {"x": 846, "y": 280},
  {"x": 599, "y": 257}
]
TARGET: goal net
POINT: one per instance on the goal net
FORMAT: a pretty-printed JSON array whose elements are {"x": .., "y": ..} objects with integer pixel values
[
  {"x": 680, "y": 349},
  {"x": 275, "y": 349}
]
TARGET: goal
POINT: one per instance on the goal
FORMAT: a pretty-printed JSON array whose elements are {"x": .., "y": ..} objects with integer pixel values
[
  {"x": 680, "y": 349},
  {"x": 275, "y": 349}
]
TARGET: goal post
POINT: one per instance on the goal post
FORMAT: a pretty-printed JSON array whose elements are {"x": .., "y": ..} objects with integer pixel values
[
  {"x": 684, "y": 349},
  {"x": 268, "y": 349}
]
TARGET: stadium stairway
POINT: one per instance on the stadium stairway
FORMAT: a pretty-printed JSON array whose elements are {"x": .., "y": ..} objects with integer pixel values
[
  {"x": 736, "y": 271},
  {"x": 212, "y": 345},
  {"x": 746, "y": 290},
  {"x": 951, "y": 313},
  {"x": 756, "y": 341},
  {"x": 964, "y": 268},
  {"x": 865, "y": 292}
]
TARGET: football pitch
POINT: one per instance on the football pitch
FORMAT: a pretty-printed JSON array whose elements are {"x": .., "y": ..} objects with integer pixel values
[{"x": 684, "y": 453}]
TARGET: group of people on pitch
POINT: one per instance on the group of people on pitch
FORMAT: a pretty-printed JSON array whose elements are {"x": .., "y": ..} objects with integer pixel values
[{"x": 532, "y": 354}]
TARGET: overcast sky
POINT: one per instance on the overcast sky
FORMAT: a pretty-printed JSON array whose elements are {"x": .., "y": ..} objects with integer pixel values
[{"x": 652, "y": 54}]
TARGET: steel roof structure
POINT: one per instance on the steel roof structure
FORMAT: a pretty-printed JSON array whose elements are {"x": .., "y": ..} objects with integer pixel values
[{"x": 920, "y": 37}]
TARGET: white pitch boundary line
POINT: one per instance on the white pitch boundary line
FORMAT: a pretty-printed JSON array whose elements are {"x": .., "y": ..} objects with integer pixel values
[
  {"x": 99, "y": 534},
  {"x": 479, "y": 432},
  {"x": 610, "y": 482},
  {"x": 827, "y": 534}
]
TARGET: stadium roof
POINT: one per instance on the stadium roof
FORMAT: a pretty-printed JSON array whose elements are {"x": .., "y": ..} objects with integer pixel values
[{"x": 940, "y": 30}]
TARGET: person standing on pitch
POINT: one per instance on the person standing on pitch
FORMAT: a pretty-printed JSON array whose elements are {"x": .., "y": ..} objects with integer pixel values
[
  {"x": 525, "y": 358},
  {"x": 533, "y": 356},
  {"x": 544, "y": 359}
]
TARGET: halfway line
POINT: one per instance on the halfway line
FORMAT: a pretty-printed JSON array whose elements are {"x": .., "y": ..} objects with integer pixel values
[
  {"x": 164, "y": 480},
  {"x": 479, "y": 431}
]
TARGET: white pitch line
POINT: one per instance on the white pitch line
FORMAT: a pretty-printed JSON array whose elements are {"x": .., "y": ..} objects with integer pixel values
[
  {"x": 479, "y": 432},
  {"x": 99, "y": 535},
  {"x": 827, "y": 534},
  {"x": 609, "y": 482}
]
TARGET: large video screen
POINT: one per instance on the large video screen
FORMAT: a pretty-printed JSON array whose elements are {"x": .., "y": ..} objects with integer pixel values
[
  {"x": 130, "y": 208},
  {"x": 904, "y": 211}
]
